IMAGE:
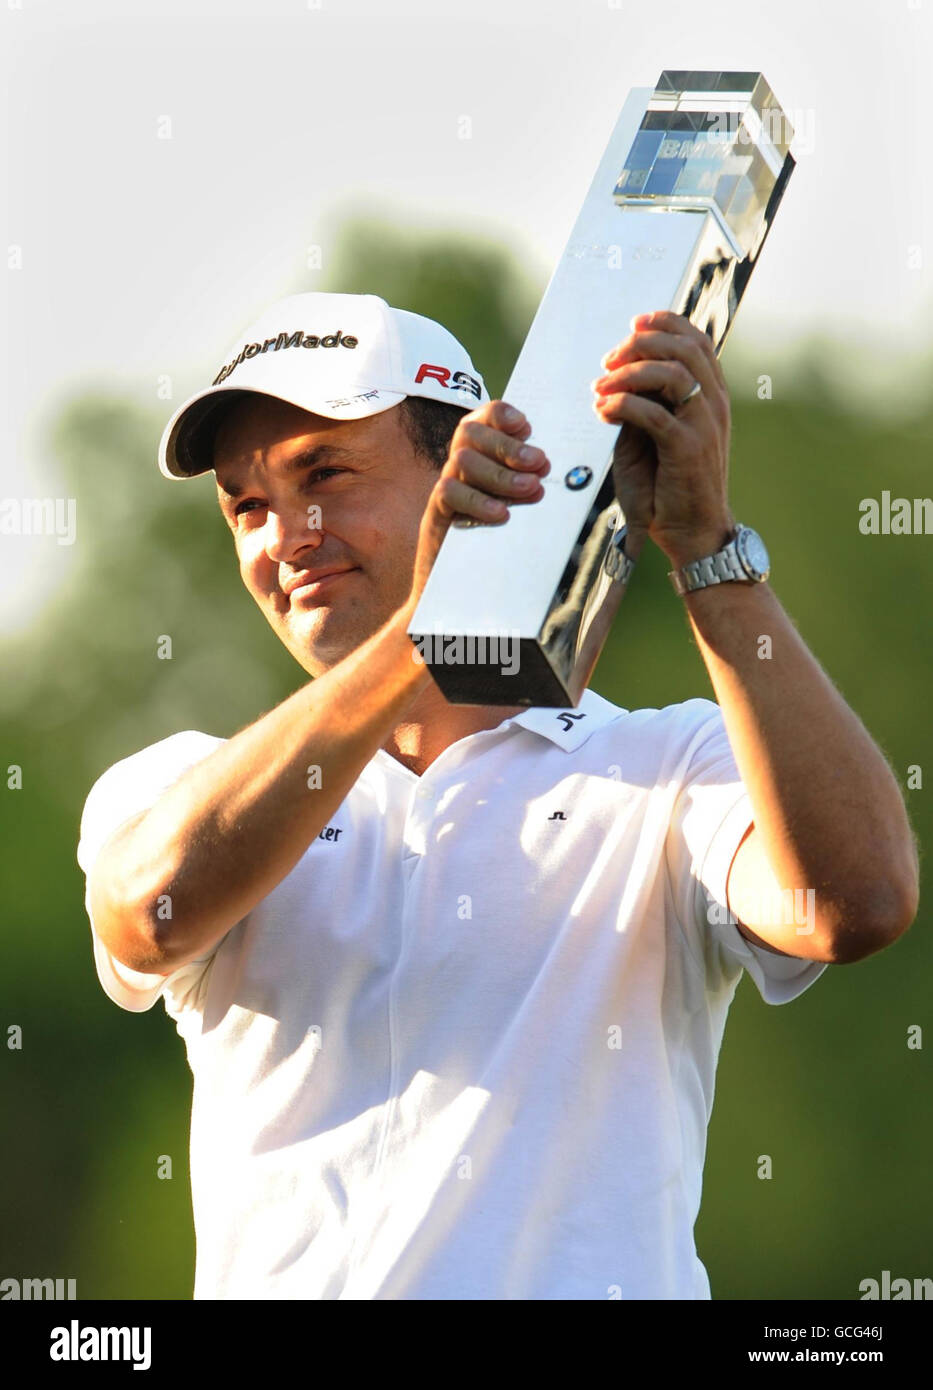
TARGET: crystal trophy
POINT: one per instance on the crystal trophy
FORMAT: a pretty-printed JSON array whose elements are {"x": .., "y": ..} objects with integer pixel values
[{"x": 675, "y": 218}]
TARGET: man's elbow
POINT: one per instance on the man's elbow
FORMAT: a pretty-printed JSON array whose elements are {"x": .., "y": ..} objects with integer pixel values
[
  {"x": 129, "y": 924},
  {"x": 878, "y": 918}
]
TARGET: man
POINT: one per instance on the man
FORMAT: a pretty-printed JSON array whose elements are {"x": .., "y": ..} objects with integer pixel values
[{"x": 453, "y": 980}]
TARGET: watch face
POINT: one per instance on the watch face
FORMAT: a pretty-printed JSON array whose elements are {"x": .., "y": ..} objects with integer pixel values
[{"x": 752, "y": 553}]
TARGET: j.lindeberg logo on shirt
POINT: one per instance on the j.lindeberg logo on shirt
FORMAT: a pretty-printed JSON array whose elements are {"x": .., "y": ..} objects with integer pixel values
[
  {"x": 558, "y": 815},
  {"x": 569, "y": 718}
]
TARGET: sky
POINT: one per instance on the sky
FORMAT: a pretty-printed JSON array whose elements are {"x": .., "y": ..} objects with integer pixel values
[{"x": 168, "y": 163}]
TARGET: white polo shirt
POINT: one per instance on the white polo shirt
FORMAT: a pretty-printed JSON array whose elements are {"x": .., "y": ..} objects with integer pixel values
[{"x": 466, "y": 1049}]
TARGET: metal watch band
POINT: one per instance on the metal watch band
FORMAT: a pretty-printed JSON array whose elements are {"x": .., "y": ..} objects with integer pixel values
[
  {"x": 711, "y": 569},
  {"x": 617, "y": 564}
]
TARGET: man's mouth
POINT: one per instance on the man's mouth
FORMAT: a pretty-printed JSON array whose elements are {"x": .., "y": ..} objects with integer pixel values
[{"x": 307, "y": 584}]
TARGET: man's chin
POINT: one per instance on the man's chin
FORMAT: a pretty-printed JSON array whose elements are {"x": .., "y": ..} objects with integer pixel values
[{"x": 324, "y": 646}]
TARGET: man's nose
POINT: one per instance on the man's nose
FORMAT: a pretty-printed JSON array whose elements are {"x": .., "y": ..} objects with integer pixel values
[{"x": 290, "y": 531}]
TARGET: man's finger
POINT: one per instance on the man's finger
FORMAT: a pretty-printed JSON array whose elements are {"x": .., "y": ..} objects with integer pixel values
[
  {"x": 652, "y": 343},
  {"x": 669, "y": 322},
  {"x": 483, "y": 439},
  {"x": 455, "y": 498},
  {"x": 516, "y": 485},
  {"x": 670, "y": 379},
  {"x": 501, "y": 416}
]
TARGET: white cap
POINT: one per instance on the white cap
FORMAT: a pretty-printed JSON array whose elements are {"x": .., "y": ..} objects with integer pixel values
[{"x": 340, "y": 355}]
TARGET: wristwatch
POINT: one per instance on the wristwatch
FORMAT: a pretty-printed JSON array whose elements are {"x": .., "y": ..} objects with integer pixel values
[
  {"x": 743, "y": 558},
  {"x": 617, "y": 564}
]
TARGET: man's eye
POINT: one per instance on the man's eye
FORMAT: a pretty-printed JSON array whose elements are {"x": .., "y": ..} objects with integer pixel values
[
  {"x": 318, "y": 473},
  {"x": 315, "y": 476}
]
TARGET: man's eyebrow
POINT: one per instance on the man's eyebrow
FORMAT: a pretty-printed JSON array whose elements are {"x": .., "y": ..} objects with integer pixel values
[{"x": 320, "y": 453}]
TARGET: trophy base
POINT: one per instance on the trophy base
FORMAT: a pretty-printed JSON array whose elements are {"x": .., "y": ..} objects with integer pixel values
[{"x": 532, "y": 682}]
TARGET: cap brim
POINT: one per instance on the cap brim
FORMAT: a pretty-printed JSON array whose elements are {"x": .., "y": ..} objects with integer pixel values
[{"x": 186, "y": 449}]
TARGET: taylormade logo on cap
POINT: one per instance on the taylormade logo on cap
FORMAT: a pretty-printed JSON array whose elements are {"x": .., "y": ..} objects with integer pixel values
[
  {"x": 455, "y": 381},
  {"x": 284, "y": 340},
  {"x": 355, "y": 356}
]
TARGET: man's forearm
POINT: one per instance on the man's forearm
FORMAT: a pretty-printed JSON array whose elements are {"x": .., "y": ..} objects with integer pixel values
[
  {"x": 233, "y": 826},
  {"x": 829, "y": 814},
  {"x": 826, "y": 804}
]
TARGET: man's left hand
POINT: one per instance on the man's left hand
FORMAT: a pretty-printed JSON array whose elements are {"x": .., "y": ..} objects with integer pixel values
[{"x": 671, "y": 461}]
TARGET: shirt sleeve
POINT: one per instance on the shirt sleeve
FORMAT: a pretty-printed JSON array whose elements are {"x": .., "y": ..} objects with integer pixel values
[
  {"x": 123, "y": 791},
  {"x": 711, "y": 814}
]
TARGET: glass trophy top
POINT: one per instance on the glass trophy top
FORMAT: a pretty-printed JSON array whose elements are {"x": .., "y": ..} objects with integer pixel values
[{"x": 709, "y": 140}]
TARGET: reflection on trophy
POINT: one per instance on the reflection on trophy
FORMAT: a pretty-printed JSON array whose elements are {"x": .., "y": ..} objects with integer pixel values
[{"x": 675, "y": 218}]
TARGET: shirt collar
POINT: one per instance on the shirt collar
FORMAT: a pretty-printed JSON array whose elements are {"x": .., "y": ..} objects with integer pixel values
[{"x": 569, "y": 728}]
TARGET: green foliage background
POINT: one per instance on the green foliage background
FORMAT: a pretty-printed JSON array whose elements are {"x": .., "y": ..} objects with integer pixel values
[{"x": 826, "y": 1085}]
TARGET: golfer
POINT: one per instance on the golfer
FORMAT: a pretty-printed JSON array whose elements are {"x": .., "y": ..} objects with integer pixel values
[{"x": 453, "y": 980}]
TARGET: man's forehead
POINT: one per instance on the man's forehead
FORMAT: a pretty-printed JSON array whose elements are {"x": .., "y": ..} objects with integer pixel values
[{"x": 258, "y": 432}]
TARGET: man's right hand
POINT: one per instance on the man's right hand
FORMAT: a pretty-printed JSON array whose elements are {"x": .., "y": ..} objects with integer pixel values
[{"x": 484, "y": 474}]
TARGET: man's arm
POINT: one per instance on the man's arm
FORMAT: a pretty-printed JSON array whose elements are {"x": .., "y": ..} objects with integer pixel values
[
  {"x": 228, "y": 831},
  {"x": 829, "y": 816},
  {"x": 222, "y": 837}
]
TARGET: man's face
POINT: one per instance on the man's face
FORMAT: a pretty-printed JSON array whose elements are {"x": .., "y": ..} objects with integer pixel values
[{"x": 306, "y": 496}]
